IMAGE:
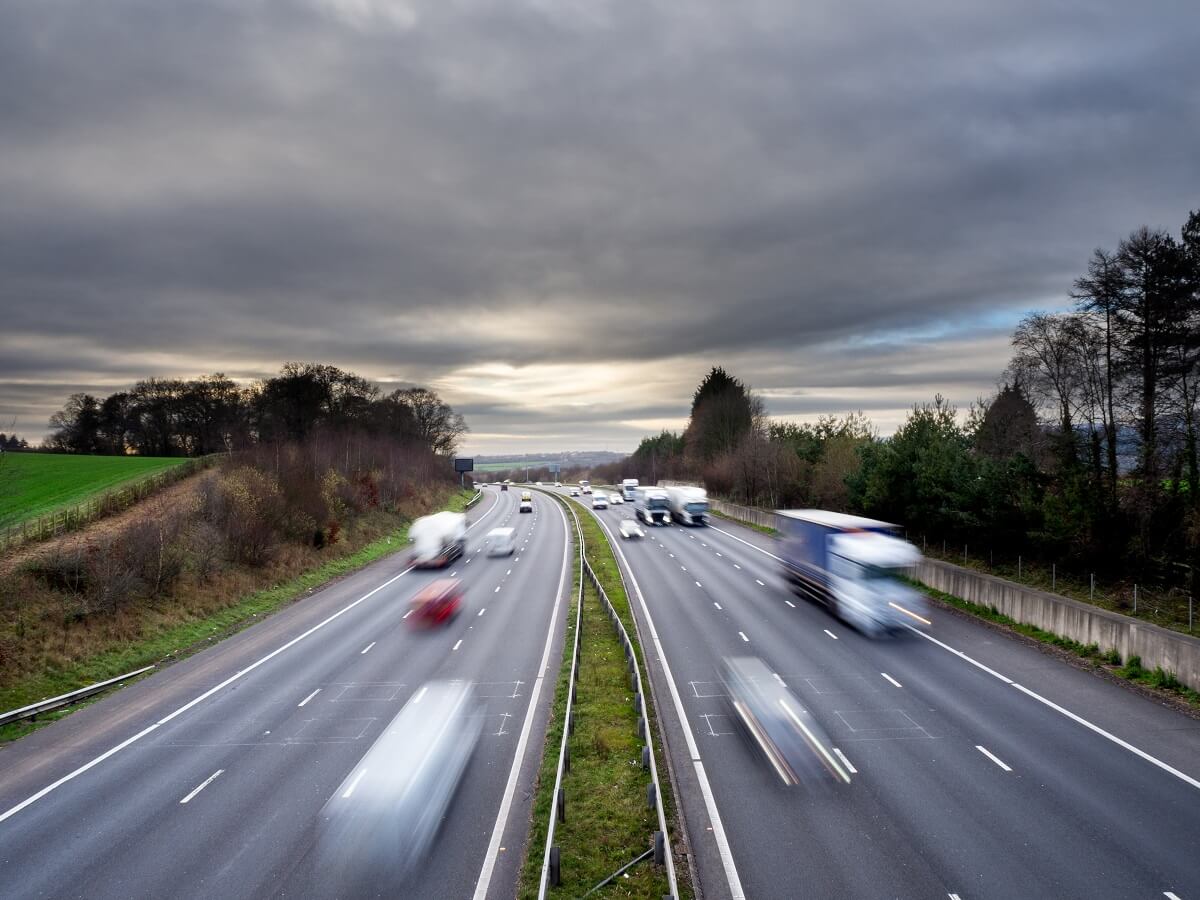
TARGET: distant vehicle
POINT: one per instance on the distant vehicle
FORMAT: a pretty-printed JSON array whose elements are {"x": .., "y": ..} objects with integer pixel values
[
  {"x": 852, "y": 565},
  {"x": 437, "y": 602},
  {"x": 574, "y": 492},
  {"x": 614, "y": 499},
  {"x": 689, "y": 505},
  {"x": 558, "y": 484},
  {"x": 504, "y": 485},
  {"x": 787, "y": 734},
  {"x": 438, "y": 539},
  {"x": 599, "y": 501},
  {"x": 526, "y": 502},
  {"x": 538, "y": 483},
  {"x": 653, "y": 506},
  {"x": 501, "y": 542},
  {"x": 629, "y": 489},
  {"x": 629, "y": 528},
  {"x": 381, "y": 822},
  {"x": 585, "y": 486}
]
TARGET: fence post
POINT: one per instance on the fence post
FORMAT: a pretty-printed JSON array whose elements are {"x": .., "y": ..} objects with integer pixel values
[
  {"x": 964, "y": 554},
  {"x": 1189, "y": 613},
  {"x": 1053, "y": 576},
  {"x": 1135, "y": 599},
  {"x": 1018, "y": 567},
  {"x": 1092, "y": 589}
]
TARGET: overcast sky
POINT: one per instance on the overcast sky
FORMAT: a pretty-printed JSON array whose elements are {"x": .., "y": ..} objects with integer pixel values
[{"x": 561, "y": 213}]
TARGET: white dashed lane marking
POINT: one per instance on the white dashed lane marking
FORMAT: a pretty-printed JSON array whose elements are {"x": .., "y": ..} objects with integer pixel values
[
  {"x": 309, "y": 697},
  {"x": 831, "y": 634},
  {"x": 993, "y": 757}
]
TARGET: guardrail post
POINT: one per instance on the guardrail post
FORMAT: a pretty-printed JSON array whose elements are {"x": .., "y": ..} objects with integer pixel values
[
  {"x": 660, "y": 848},
  {"x": 562, "y": 805},
  {"x": 555, "y": 872},
  {"x": 642, "y": 727},
  {"x": 567, "y": 759},
  {"x": 645, "y": 757},
  {"x": 650, "y": 795}
]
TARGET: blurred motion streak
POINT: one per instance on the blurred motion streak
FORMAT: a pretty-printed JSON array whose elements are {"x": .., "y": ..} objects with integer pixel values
[
  {"x": 788, "y": 735},
  {"x": 380, "y": 824}
]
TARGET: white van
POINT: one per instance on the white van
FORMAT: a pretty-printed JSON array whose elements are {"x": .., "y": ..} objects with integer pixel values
[
  {"x": 600, "y": 501},
  {"x": 501, "y": 542}
]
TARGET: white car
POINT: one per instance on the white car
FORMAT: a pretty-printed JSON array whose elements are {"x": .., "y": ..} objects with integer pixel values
[
  {"x": 599, "y": 501},
  {"x": 629, "y": 528},
  {"x": 574, "y": 492},
  {"x": 501, "y": 542},
  {"x": 558, "y": 484},
  {"x": 614, "y": 499}
]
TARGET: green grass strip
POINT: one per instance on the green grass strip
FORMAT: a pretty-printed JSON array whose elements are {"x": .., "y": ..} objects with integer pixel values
[{"x": 180, "y": 641}]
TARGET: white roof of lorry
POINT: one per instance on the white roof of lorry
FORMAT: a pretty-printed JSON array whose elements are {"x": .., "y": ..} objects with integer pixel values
[{"x": 833, "y": 519}]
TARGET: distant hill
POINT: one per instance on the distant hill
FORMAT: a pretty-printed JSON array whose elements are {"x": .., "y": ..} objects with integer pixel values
[{"x": 567, "y": 459}]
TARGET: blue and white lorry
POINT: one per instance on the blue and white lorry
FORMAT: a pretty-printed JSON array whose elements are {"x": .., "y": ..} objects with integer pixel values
[
  {"x": 852, "y": 565},
  {"x": 629, "y": 489}
]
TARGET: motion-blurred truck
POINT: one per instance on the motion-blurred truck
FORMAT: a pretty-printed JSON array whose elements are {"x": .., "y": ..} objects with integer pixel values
[
  {"x": 852, "y": 565},
  {"x": 653, "y": 506},
  {"x": 689, "y": 505},
  {"x": 629, "y": 489},
  {"x": 438, "y": 539}
]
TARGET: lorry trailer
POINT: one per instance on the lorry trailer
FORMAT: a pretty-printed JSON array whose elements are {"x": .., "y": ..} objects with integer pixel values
[
  {"x": 438, "y": 539},
  {"x": 854, "y": 566},
  {"x": 689, "y": 505}
]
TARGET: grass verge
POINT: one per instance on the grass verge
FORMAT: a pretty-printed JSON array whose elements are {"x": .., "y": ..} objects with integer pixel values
[
  {"x": 763, "y": 529},
  {"x": 180, "y": 640},
  {"x": 608, "y": 822},
  {"x": 1110, "y": 660}
]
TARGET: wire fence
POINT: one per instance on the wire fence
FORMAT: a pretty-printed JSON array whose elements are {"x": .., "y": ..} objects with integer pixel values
[{"x": 72, "y": 518}]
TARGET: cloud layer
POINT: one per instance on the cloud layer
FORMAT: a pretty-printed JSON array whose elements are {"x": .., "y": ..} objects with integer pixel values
[{"x": 560, "y": 214}]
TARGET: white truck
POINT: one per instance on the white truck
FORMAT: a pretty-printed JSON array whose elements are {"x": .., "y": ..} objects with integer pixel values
[
  {"x": 438, "y": 539},
  {"x": 689, "y": 505},
  {"x": 629, "y": 489},
  {"x": 653, "y": 506},
  {"x": 853, "y": 566}
]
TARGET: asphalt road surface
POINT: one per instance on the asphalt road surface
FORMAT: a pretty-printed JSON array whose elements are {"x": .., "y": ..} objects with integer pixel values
[
  {"x": 206, "y": 779},
  {"x": 984, "y": 767}
]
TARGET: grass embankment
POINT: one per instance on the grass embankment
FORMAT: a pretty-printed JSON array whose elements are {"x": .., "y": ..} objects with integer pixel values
[
  {"x": 34, "y": 484},
  {"x": 762, "y": 529},
  {"x": 1111, "y": 660},
  {"x": 174, "y": 635},
  {"x": 608, "y": 823}
]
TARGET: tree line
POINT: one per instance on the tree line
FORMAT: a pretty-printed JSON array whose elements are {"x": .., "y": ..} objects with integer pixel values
[
  {"x": 1087, "y": 453},
  {"x": 212, "y": 414}
]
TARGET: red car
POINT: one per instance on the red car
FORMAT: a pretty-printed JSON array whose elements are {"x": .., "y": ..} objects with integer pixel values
[{"x": 437, "y": 602}]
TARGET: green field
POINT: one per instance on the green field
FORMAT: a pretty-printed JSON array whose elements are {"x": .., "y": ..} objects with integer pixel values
[
  {"x": 32, "y": 484},
  {"x": 502, "y": 466}
]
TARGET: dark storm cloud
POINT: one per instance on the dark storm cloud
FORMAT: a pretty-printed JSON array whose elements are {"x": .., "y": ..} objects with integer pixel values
[{"x": 411, "y": 190}]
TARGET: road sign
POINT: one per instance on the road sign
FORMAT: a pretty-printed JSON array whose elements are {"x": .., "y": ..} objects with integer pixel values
[{"x": 464, "y": 464}]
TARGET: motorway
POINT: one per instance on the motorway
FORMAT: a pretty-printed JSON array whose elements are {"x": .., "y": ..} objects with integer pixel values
[
  {"x": 985, "y": 768},
  {"x": 206, "y": 779}
]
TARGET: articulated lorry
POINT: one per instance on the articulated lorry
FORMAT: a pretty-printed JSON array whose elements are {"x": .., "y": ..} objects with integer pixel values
[
  {"x": 438, "y": 539},
  {"x": 629, "y": 489},
  {"x": 689, "y": 505},
  {"x": 853, "y": 566},
  {"x": 653, "y": 506}
]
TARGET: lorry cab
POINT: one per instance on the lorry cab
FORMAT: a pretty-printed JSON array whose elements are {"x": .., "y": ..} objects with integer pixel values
[{"x": 526, "y": 502}]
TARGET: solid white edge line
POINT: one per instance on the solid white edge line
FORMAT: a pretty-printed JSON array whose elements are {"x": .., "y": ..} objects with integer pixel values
[
  {"x": 993, "y": 757},
  {"x": 309, "y": 697},
  {"x": 354, "y": 784},
  {"x": 710, "y": 802},
  {"x": 845, "y": 762},
  {"x": 12, "y": 811},
  {"x": 510, "y": 789},
  {"x": 202, "y": 785},
  {"x": 1112, "y": 737},
  {"x": 959, "y": 654},
  {"x": 891, "y": 679},
  {"x": 419, "y": 694}
]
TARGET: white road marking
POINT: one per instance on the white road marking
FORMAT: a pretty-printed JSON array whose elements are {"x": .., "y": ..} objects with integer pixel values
[
  {"x": 761, "y": 582},
  {"x": 350, "y": 790},
  {"x": 309, "y": 697},
  {"x": 455, "y": 572},
  {"x": 716, "y": 604},
  {"x": 743, "y": 636},
  {"x": 699, "y": 585},
  {"x": 845, "y": 762},
  {"x": 710, "y": 802},
  {"x": 366, "y": 648},
  {"x": 407, "y": 614},
  {"x": 509, "y": 572},
  {"x": 891, "y": 679},
  {"x": 457, "y": 644},
  {"x": 205, "y": 783},
  {"x": 993, "y": 757},
  {"x": 955, "y": 897},
  {"x": 482, "y": 611},
  {"x": 684, "y": 568},
  {"x": 497, "y": 590},
  {"x": 718, "y": 553},
  {"x": 418, "y": 695},
  {"x": 1170, "y": 896},
  {"x": 831, "y": 634},
  {"x": 790, "y": 603},
  {"x": 510, "y": 789},
  {"x": 736, "y": 566},
  {"x": 777, "y": 678},
  {"x": 672, "y": 555}
]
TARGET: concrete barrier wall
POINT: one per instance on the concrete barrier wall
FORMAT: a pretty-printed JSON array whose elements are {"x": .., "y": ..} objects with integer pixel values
[
  {"x": 763, "y": 517},
  {"x": 1158, "y": 647}
]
